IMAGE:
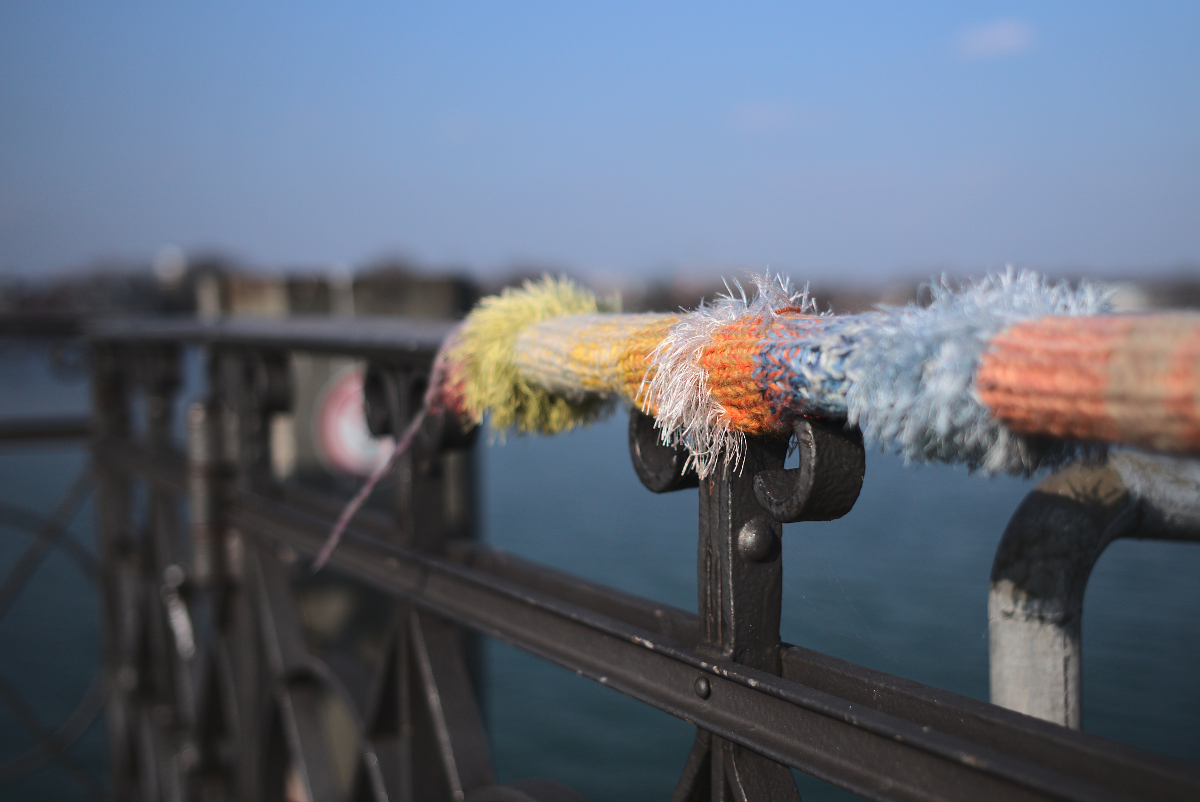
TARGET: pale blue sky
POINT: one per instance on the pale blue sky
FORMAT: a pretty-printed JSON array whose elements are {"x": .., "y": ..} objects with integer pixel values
[{"x": 831, "y": 139}]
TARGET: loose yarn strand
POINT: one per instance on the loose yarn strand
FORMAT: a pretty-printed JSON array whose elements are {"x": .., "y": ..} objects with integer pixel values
[{"x": 352, "y": 508}]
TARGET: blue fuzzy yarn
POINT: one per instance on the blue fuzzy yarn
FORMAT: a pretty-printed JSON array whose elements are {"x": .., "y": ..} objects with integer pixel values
[{"x": 905, "y": 375}]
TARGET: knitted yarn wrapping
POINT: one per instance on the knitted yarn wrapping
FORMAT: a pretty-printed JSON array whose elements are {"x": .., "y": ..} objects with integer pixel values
[
  {"x": 486, "y": 353},
  {"x": 906, "y": 375},
  {"x": 681, "y": 389},
  {"x": 544, "y": 359}
]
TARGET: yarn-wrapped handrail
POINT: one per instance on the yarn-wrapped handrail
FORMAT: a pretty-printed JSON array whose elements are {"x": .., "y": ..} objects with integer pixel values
[{"x": 1010, "y": 375}]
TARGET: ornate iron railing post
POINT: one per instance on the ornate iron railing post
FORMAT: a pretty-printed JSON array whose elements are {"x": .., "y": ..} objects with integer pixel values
[
  {"x": 283, "y": 749},
  {"x": 152, "y": 710},
  {"x": 251, "y": 385},
  {"x": 205, "y": 502},
  {"x": 743, "y": 505},
  {"x": 740, "y": 586}
]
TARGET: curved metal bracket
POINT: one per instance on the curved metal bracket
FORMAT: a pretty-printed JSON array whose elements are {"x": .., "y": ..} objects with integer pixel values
[
  {"x": 1045, "y": 557},
  {"x": 661, "y": 468},
  {"x": 828, "y": 480},
  {"x": 391, "y": 395}
]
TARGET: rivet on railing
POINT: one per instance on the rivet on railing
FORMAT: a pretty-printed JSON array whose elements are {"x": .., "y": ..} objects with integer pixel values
[{"x": 756, "y": 540}]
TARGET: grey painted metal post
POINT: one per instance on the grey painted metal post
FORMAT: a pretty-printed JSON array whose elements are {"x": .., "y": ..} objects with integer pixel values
[{"x": 1041, "y": 569}]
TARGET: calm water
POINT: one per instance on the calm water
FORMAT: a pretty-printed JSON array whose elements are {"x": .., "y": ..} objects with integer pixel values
[{"x": 899, "y": 585}]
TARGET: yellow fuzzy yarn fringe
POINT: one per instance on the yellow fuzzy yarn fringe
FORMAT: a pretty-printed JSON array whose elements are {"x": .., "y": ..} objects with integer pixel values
[{"x": 487, "y": 352}]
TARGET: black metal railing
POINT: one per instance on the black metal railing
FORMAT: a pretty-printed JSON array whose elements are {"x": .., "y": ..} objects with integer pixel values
[
  {"x": 218, "y": 692},
  {"x": 51, "y": 742}
]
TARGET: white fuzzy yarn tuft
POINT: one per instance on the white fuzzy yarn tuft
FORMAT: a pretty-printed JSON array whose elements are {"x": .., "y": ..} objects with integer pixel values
[{"x": 686, "y": 412}]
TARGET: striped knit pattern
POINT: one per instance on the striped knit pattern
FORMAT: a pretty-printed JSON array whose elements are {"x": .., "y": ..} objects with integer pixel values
[
  {"x": 801, "y": 369},
  {"x": 1011, "y": 375},
  {"x": 905, "y": 375},
  {"x": 1132, "y": 379},
  {"x": 591, "y": 355}
]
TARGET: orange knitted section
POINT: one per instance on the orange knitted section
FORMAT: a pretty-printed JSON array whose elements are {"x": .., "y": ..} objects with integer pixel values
[
  {"x": 1131, "y": 379},
  {"x": 729, "y": 363}
]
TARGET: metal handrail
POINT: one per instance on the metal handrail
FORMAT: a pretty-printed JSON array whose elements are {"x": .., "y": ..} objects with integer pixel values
[
  {"x": 358, "y": 337},
  {"x": 759, "y": 704}
]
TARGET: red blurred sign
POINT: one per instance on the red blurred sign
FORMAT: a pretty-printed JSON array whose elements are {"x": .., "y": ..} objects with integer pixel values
[{"x": 340, "y": 431}]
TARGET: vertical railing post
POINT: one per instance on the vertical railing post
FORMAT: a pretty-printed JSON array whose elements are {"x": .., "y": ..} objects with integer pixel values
[
  {"x": 740, "y": 587},
  {"x": 1044, "y": 560},
  {"x": 423, "y": 724},
  {"x": 167, "y": 621},
  {"x": 243, "y": 448},
  {"x": 204, "y": 491},
  {"x": 253, "y": 386},
  {"x": 110, "y": 419},
  {"x": 215, "y": 730},
  {"x": 149, "y": 634},
  {"x": 743, "y": 505},
  {"x": 284, "y": 750}
]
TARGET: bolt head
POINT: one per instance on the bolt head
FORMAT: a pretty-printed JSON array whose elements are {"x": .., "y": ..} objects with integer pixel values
[
  {"x": 756, "y": 539},
  {"x": 703, "y": 688}
]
